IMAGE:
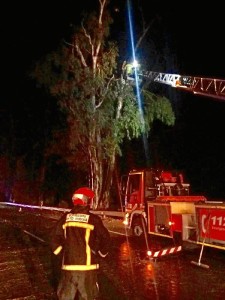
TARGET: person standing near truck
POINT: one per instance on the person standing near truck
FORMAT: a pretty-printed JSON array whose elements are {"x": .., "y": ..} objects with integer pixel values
[{"x": 82, "y": 238}]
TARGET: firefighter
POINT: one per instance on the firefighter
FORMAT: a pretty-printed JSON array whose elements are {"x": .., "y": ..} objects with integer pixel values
[
  {"x": 82, "y": 239},
  {"x": 128, "y": 71}
]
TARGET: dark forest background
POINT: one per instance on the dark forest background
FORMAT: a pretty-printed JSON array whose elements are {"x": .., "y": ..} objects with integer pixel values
[{"x": 187, "y": 43}]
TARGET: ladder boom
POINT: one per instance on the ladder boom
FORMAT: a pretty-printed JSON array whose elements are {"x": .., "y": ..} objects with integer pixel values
[{"x": 209, "y": 87}]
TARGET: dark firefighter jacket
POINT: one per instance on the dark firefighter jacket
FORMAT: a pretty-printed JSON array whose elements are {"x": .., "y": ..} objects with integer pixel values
[{"x": 82, "y": 237}]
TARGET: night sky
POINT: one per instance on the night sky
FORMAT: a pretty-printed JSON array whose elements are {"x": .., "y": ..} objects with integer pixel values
[{"x": 35, "y": 28}]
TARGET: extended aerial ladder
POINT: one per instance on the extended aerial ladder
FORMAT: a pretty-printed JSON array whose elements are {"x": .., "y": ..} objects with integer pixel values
[{"x": 210, "y": 87}]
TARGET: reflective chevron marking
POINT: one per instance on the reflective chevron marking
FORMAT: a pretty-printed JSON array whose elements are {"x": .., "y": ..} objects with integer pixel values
[{"x": 165, "y": 252}]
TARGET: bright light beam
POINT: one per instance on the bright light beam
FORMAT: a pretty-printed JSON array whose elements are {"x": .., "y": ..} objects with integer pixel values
[
  {"x": 147, "y": 155},
  {"x": 141, "y": 117}
]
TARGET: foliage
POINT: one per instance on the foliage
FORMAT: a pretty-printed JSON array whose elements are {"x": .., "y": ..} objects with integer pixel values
[{"x": 102, "y": 109}]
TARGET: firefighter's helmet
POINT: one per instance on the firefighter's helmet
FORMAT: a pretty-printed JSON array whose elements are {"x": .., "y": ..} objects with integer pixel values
[{"x": 83, "y": 196}]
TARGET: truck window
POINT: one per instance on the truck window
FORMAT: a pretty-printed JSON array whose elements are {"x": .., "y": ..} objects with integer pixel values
[
  {"x": 134, "y": 183},
  {"x": 150, "y": 185},
  {"x": 134, "y": 189}
]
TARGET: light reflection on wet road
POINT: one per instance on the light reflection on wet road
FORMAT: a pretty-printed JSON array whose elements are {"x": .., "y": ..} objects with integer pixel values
[
  {"x": 127, "y": 273},
  {"x": 168, "y": 277}
]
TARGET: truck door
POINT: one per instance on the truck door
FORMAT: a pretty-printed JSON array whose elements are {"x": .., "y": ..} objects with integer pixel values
[{"x": 134, "y": 190}]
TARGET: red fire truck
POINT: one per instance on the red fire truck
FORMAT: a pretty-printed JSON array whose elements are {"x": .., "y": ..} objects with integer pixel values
[{"x": 159, "y": 203}]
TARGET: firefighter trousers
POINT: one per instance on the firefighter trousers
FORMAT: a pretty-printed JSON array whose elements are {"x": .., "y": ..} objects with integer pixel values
[{"x": 83, "y": 283}]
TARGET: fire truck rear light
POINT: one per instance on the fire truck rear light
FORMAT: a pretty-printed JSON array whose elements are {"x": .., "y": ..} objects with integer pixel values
[{"x": 149, "y": 253}]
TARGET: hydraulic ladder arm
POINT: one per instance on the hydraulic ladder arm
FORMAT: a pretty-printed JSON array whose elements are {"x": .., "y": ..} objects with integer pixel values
[{"x": 209, "y": 87}]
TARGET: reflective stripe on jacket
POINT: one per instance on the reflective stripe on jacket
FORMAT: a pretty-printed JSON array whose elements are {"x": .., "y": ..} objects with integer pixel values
[{"x": 80, "y": 234}]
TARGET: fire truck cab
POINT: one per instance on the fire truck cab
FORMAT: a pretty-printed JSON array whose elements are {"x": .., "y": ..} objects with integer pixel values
[
  {"x": 147, "y": 184},
  {"x": 151, "y": 196}
]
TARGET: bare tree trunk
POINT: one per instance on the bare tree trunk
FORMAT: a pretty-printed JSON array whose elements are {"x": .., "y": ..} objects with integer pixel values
[
  {"x": 108, "y": 176},
  {"x": 95, "y": 153}
]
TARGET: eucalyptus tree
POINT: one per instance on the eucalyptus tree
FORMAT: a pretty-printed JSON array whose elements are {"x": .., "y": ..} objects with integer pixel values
[{"x": 102, "y": 108}]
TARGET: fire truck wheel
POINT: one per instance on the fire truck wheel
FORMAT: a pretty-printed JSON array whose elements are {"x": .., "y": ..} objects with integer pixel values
[{"x": 137, "y": 227}]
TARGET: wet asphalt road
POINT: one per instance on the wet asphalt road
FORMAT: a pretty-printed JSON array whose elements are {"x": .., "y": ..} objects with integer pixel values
[
  {"x": 29, "y": 271},
  {"x": 170, "y": 277}
]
